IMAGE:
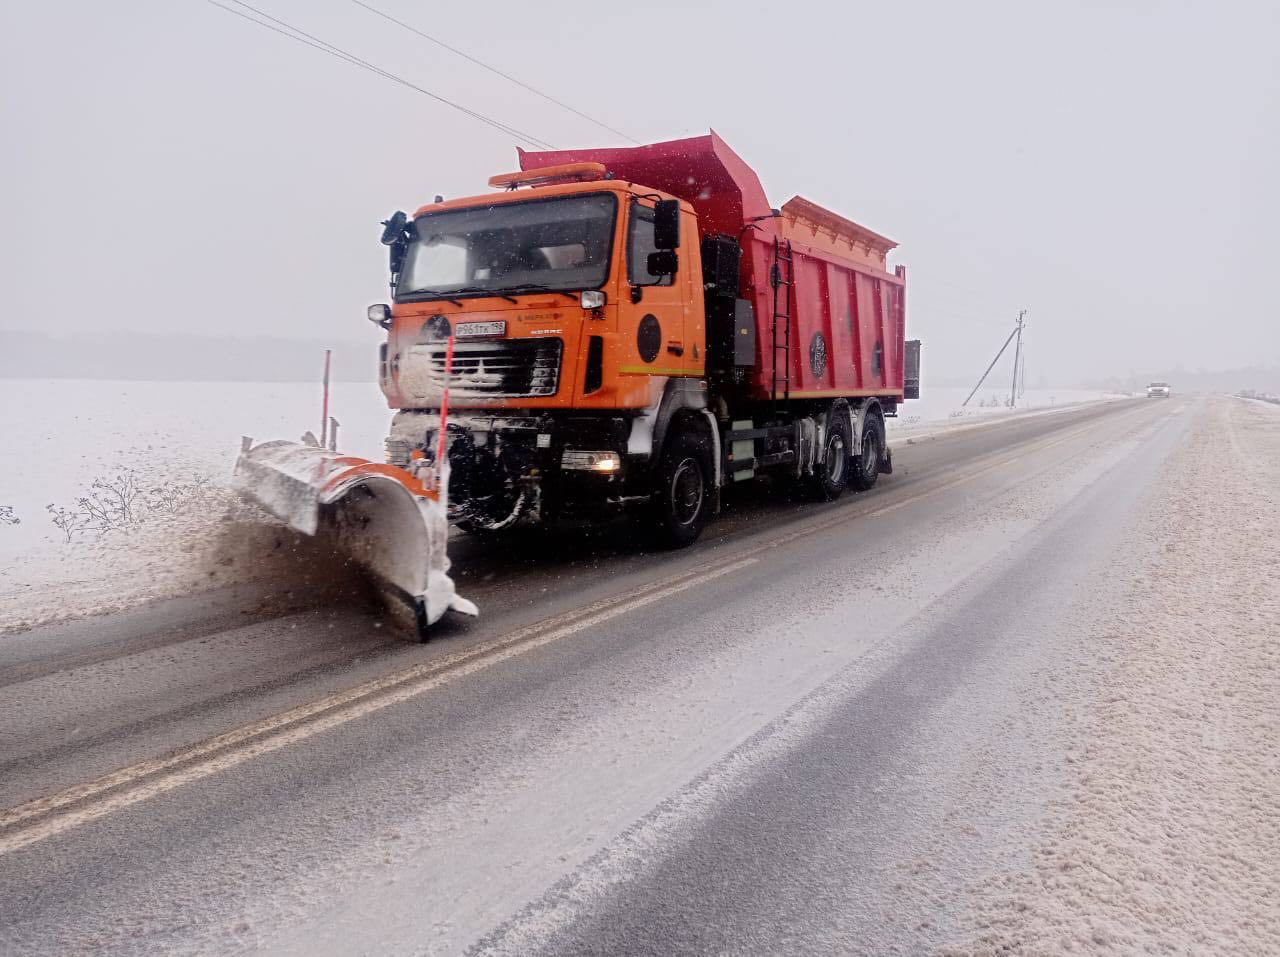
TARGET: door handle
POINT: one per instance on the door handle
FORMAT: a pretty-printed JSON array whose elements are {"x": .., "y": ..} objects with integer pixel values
[{"x": 675, "y": 348}]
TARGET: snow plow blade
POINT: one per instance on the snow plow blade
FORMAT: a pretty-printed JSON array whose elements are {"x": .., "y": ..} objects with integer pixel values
[{"x": 385, "y": 518}]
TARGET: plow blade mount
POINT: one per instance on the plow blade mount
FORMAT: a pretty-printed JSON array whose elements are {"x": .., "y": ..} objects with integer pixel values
[{"x": 382, "y": 516}]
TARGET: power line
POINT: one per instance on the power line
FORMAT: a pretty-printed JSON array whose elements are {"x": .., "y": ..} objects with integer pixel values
[
  {"x": 480, "y": 63},
  {"x": 374, "y": 68},
  {"x": 301, "y": 36}
]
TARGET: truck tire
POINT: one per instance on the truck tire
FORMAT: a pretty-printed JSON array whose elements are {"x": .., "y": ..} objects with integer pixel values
[
  {"x": 831, "y": 476},
  {"x": 866, "y": 464},
  {"x": 682, "y": 499}
]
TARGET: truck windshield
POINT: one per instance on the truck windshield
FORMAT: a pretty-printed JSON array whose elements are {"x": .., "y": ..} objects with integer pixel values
[{"x": 563, "y": 243}]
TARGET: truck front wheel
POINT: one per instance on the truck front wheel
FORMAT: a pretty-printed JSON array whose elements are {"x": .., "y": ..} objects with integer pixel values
[
  {"x": 866, "y": 466},
  {"x": 683, "y": 496}
]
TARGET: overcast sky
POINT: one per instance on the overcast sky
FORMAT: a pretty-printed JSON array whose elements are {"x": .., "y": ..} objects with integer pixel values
[{"x": 1110, "y": 167}]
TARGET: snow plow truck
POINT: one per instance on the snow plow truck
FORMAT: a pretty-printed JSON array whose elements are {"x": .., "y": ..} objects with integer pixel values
[{"x": 615, "y": 329}]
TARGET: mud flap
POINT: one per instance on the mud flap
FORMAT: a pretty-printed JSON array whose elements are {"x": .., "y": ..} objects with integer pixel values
[
  {"x": 886, "y": 461},
  {"x": 395, "y": 527}
]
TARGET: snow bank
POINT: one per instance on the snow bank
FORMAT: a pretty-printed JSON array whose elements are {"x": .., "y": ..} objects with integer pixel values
[
  {"x": 221, "y": 542},
  {"x": 1166, "y": 838},
  {"x": 944, "y": 404},
  {"x": 942, "y": 413}
]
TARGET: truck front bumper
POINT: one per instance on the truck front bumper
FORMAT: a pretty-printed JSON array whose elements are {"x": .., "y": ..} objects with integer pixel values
[{"x": 563, "y": 464}]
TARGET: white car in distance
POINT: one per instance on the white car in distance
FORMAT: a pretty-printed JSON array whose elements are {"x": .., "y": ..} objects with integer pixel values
[{"x": 1158, "y": 390}]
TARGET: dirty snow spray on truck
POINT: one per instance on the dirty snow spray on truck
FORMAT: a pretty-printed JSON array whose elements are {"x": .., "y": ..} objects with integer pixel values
[{"x": 618, "y": 330}]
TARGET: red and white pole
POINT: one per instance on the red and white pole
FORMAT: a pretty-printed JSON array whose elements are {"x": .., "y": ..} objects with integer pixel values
[
  {"x": 324, "y": 417},
  {"x": 444, "y": 405}
]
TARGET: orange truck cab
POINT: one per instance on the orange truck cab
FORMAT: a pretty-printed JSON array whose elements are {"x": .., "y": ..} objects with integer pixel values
[{"x": 637, "y": 329}]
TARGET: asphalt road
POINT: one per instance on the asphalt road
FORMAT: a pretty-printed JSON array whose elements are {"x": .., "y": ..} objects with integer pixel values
[{"x": 797, "y": 736}]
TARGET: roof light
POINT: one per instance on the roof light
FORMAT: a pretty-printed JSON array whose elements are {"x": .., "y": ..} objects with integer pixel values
[{"x": 566, "y": 173}]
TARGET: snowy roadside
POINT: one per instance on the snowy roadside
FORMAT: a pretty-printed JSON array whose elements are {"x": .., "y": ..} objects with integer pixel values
[
  {"x": 943, "y": 409},
  {"x": 209, "y": 541},
  {"x": 1166, "y": 835},
  {"x": 188, "y": 533},
  {"x": 910, "y": 432}
]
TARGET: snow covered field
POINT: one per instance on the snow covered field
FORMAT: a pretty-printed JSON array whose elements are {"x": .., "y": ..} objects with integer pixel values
[{"x": 62, "y": 434}]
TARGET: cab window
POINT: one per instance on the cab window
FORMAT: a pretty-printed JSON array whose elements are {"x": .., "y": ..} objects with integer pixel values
[{"x": 639, "y": 246}]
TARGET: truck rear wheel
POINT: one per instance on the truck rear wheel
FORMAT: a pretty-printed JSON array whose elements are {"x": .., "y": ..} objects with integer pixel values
[
  {"x": 683, "y": 495},
  {"x": 866, "y": 465},
  {"x": 831, "y": 476}
]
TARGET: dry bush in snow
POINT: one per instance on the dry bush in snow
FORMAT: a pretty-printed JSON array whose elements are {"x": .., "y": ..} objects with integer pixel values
[
  {"x": 112, "y": 503},
  {"x": 68, "y": 521},
  {"x": 122, "y": 502},
  {"x": 171, "y": 496}
]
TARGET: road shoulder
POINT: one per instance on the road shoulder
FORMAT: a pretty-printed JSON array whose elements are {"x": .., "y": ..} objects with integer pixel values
[{"x": 1165, "y": 835}]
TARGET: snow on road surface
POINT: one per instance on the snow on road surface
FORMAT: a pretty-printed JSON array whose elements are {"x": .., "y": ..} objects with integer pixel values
[
  {"x": 1165, "y": 837},
  {"x": 1038, "y": 728},
  {"x": 1063, "y": 767}
]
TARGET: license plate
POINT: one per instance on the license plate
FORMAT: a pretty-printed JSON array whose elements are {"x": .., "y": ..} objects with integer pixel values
[{"x": 466, "y": 330}]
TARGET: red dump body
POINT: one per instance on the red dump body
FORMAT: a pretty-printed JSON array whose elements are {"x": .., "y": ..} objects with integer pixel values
[{"x": 841, "y": 320}]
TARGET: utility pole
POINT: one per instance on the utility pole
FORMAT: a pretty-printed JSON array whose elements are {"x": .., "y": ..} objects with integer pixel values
[
  {"x": 1017, "y": 358},
  {"x": 1016, "y": 331},
  {"x": 1022, "y": 376}
]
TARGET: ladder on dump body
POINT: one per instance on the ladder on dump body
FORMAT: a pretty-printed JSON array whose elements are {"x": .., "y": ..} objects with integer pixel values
[{"x": 782, "y": 278}]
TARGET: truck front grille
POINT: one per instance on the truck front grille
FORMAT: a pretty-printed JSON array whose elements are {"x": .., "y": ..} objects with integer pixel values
[{"x": 498, "y": 368}]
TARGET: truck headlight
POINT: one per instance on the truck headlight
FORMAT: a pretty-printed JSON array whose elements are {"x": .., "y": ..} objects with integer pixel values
[
  {"x": 593, "y": 299},
  {"x": 607, "y": 462}
]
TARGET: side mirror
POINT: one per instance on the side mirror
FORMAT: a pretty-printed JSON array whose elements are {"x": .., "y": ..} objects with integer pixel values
[
  {"x": 397, "y": 230},
  {"x": 665, "y": 262},
  {"x": 666, "y": 225},
  {"x": 393, "y": 228}
]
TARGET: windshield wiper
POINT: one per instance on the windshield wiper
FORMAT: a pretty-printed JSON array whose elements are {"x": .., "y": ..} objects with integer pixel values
[
  {"x": 486, "y": 292},
  {"x": 427, "y": 296},
  {"x": 539, "y": 287}
]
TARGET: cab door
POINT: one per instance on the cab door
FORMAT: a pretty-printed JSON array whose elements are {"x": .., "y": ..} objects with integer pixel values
[{"x": 655, "y": 331}]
